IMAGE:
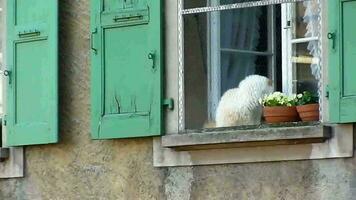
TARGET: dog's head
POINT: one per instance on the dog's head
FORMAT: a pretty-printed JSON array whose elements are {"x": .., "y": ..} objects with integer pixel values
[{"x": 256, "y": 84}]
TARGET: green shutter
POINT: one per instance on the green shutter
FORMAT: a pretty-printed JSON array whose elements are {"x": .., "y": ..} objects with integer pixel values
[
  {"x": 31, "y": 102},
  {"x": 342, "y": 61},
  {"x": 126, "y": 68}
]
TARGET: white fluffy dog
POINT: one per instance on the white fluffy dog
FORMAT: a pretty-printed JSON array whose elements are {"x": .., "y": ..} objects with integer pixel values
[{"x": 240, "y": 106}]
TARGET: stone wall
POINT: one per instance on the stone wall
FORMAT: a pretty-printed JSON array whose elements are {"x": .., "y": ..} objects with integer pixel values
[{"x": 80, "y": 168}]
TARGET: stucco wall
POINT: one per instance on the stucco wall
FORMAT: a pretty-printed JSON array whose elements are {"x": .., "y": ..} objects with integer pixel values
[{"x": 80, "y": 168}]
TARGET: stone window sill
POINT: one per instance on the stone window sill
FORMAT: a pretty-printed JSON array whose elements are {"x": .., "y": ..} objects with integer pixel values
[
  {"x": 254, "y": 144},
  {"x": 250, "y": 136}
]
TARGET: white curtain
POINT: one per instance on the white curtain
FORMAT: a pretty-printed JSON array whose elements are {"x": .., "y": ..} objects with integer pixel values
[
  {"x": 312, "y": 18},
  {"x": 239, "y": 30}
]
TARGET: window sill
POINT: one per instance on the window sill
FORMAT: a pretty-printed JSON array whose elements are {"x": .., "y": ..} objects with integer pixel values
[
  {"x": 253, "y": 136},
  {"x": 238, "y": 146}
]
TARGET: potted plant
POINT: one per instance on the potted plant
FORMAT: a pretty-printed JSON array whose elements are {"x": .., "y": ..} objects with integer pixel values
[
  {"x": 278, "y": 107},
  {"x": 308, "y": 106}
]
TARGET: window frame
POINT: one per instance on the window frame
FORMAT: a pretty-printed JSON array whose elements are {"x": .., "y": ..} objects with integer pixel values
[
  {"x": 212, "y": 103},
  {"x": 288, "y": 68},
  {"x": 339, "y": 145}
]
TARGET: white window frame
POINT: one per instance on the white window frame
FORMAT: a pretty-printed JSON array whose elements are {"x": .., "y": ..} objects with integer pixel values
[{"x": 288, "y": 68}]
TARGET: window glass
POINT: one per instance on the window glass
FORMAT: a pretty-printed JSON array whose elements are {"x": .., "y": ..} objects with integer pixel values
[
  {"x": 195, "y": 3},
  {"x": 303, "y": 78},
  {"x": 222, "y": 48},
  {"x": 304, "y": 33}
]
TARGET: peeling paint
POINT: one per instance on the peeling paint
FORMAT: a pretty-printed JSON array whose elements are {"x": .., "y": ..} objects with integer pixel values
[{"x": 118, "y": 107}]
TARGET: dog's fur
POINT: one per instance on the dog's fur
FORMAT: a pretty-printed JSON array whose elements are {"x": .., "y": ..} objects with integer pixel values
[{"x": 240, "y": 106}]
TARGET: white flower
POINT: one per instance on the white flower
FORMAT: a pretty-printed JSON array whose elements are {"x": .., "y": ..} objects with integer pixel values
[{"x": 278, "y": 99}]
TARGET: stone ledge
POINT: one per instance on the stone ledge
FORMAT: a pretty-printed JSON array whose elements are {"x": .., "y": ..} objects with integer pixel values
[{"x": 250, "y": 137}]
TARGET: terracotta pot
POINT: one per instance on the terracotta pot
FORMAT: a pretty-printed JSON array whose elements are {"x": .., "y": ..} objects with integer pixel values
[
  {"x": 279, "y": 114},
  {"x": 309, "y": 112}
]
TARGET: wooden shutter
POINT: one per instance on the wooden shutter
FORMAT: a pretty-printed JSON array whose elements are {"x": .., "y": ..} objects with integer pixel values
[
  {"x": 126, "y": 68},
  {"x": 342, "y": 60},
  {"x": 31, "y": 81}
]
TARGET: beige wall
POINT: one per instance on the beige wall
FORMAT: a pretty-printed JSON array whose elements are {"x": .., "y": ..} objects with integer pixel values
[{"x": 80, "y": 168}]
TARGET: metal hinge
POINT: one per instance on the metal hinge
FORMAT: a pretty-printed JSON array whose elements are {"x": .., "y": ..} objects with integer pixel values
[
  {"x": 92, "y": 40},
  {"x": 327, "y": 91},
  {"x": 169, "y": 103},
  {"x": 288, "y": 25},
  {"x": 4, "y": 120},
  {"x": 5, "y": 72}
]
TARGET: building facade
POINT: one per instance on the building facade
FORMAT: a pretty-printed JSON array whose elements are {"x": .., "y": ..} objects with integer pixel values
[{"x": 80, "y": 167}]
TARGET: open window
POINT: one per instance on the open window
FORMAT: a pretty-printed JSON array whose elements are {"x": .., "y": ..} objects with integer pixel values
[
  {"x": 239, "y": 47},
  {"x": 301, "y": 47},
  {"x": 296, "y": 44},
  {"x": 224, "y": 41}
]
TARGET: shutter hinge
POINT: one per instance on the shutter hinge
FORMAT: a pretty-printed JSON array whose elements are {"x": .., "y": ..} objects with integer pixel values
[
  {"x": 92, "y": 40},
  {"x": 327, "y": 91},
  {"x": 169, "y": 103},
  {"x": 4, "y": 120}
]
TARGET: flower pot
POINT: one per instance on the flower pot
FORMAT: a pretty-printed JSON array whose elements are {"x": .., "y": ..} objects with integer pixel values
[
  {"x": 309, "y": 112},
  {"x": 279, "y": 114}
]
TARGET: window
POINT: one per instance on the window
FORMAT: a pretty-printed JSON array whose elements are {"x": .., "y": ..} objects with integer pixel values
[
  {"x": 231, "y": 47},
  {"x": 225, "y": 41},
  {"x": 300, "y": 41},
  {"x": 130, "y": 87},
  {"x": 187, "y": 144}
]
